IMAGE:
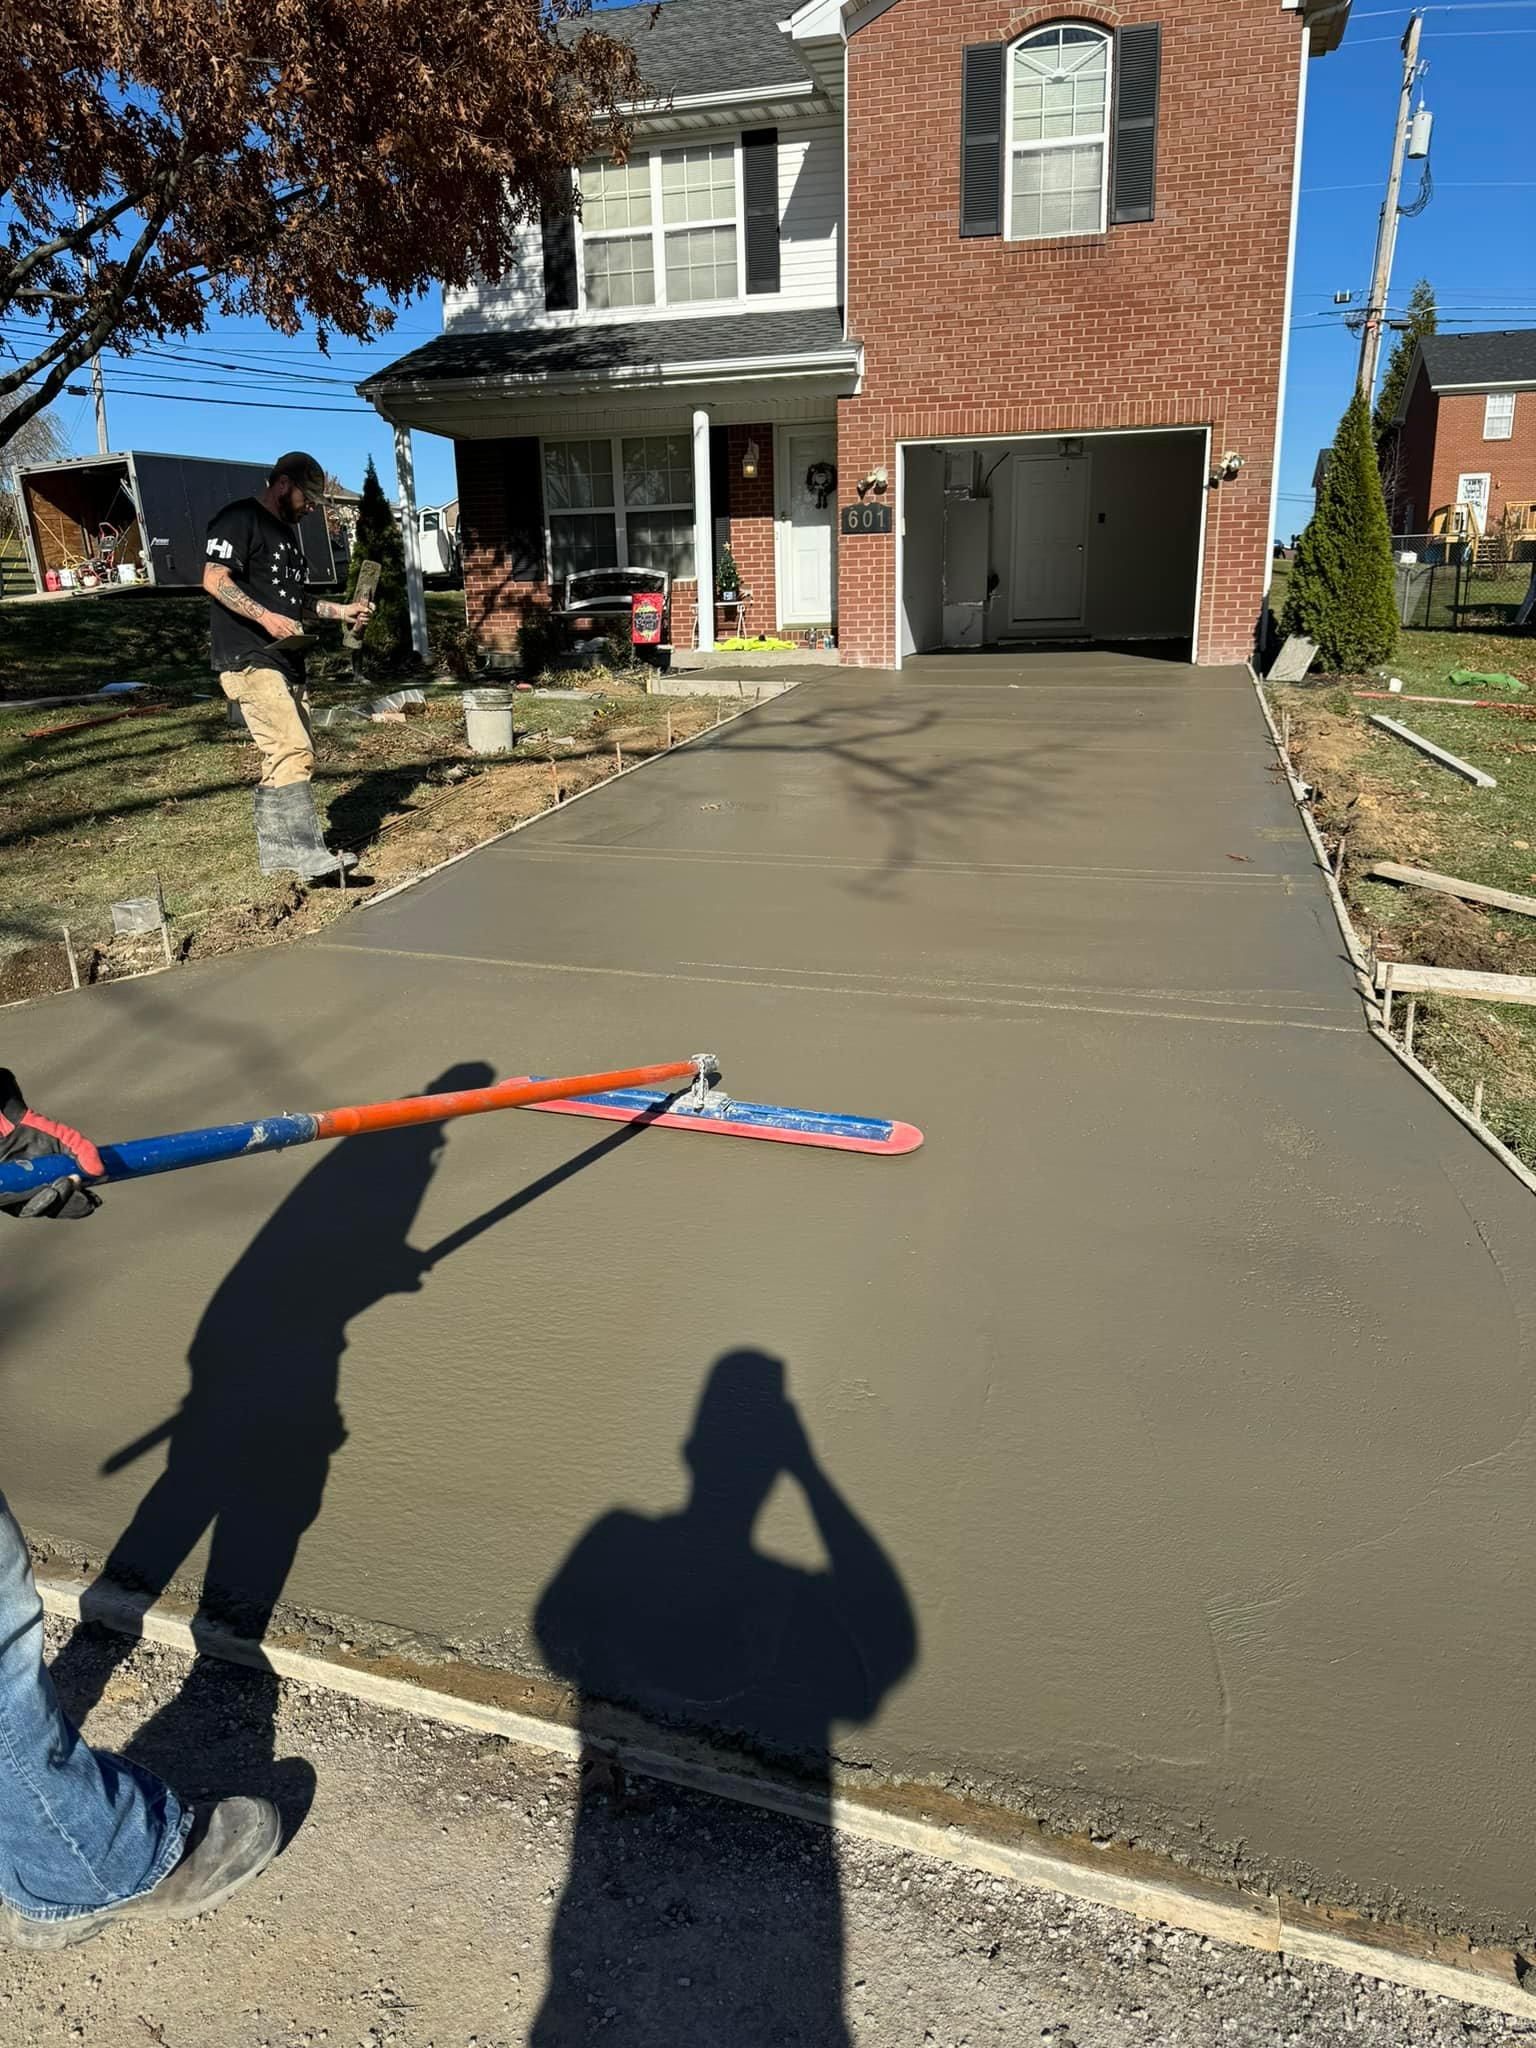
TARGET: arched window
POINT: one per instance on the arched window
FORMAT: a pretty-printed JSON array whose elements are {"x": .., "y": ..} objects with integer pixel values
[{"x": 1058, "y": 132}]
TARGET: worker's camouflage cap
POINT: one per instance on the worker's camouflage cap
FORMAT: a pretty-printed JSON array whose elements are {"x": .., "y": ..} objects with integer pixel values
[{"x": 303, "y": 470}]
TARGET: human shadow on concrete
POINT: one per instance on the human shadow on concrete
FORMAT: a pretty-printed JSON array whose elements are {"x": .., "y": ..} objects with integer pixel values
[
  {"x": 250, "y": 1449},
  {"x": 684, "y": 1924}
]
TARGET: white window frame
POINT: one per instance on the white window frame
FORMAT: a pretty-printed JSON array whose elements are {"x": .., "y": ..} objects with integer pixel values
[
  {"x": 619, "y": 510},
  {"x": 1512, "y": 399},
  {"x": 660, "y": 229},
  {"x": 1011, "y": 149}
]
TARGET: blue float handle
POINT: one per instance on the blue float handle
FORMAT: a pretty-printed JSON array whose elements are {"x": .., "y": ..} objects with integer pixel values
[{"x": 142, "y": 1156}]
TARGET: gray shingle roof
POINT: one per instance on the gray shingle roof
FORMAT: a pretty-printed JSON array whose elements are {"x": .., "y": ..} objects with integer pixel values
[
  {"x": 698, "y": 46},
  {"x": 1485, "y": 361},
  {"x": 637, "y": 344}
]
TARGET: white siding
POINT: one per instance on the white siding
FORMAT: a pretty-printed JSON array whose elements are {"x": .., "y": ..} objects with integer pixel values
[
  {"x": 518, "y": 301},
  {"x": 810, "y": 216},
  {"x": 810, "y": 220}
]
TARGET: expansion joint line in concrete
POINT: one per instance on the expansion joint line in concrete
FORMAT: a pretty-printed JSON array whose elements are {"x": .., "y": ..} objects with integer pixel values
[
  {"x": 1265, "y": 1921},
  {"x": 954, "y": 1000},
  {"x": 1374, "y": 1017}
]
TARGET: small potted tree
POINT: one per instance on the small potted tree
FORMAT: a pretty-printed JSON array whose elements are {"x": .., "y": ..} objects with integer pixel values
[{"x": 727, "y": 577}]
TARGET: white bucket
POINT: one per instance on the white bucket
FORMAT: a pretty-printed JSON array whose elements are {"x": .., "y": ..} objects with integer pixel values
[
  {"x": 488, "y": 721},
  {"x": 127, "y": 572}
]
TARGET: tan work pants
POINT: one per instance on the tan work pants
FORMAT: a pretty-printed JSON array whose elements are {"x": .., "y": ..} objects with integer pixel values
[{"x": 278, "y": 717}]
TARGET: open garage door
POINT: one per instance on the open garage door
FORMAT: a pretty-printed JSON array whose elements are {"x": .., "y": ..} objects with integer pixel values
[{"x": 1093, "y": 538}]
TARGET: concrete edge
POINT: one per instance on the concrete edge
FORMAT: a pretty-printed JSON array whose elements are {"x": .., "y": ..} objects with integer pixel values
[
  {"x": 1269, "y": 1923},
  {"x": 1375, "y": 1017},
  {"x": 634, "y": 768},
  {"x": 398, "y": 888}
]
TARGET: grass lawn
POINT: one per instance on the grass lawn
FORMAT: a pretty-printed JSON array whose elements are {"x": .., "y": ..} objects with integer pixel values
[
  {"x": 54, "y": 646},
  {"x": 96, "y": 807},
  {"x": 1397, "y": 805}
]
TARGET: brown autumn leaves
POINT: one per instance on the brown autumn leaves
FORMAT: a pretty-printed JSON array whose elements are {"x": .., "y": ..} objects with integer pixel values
[{"x": 300, "y": 160}]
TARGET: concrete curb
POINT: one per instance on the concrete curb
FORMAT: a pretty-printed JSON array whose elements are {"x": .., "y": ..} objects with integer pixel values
[
  {"x": 1375, "y": 1020},
  {"x": 1130, "y": 1882}
]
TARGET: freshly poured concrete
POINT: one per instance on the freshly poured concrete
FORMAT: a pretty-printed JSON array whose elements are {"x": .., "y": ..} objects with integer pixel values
[{"x": 1167, "y": 1464}]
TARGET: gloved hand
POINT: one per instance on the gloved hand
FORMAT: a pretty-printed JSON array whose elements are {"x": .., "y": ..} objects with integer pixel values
[{"x": 24, "y": 1134}]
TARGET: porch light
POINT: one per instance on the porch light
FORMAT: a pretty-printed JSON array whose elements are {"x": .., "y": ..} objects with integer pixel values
[
  {"x": 1071, "y": 445},
  {"x": 749, "y": 460}
]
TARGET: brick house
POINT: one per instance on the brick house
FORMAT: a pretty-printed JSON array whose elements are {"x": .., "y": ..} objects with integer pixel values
[
  {"x": 961, "y": 321},
  {"x": 1465, "y": 432}
]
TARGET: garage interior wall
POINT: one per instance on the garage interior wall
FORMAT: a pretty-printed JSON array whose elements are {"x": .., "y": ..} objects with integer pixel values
[{"x": 1142, "y": 535}]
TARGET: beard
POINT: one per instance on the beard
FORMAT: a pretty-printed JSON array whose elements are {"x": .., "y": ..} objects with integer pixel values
[{"x": 287, "y": 507}]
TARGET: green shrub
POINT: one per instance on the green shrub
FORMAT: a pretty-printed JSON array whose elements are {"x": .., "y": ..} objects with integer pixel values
[
  {"x": 1342, "y": 588},
  {"x": 387, "y": 636}
]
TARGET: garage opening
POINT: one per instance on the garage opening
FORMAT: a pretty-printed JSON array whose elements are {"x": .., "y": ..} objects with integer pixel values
[{"x": 1050, "y": 539}]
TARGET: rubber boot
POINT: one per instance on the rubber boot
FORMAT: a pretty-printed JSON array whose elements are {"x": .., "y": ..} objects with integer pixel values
[
  {"x": 228, "y": 1846},
  {"x": 288, "y": 836}
]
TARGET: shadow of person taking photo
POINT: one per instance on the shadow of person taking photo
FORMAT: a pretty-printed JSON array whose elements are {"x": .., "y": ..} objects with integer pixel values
[
  {"x": 249, "y": 1454},
  {"x": 684, "y": 1924}
]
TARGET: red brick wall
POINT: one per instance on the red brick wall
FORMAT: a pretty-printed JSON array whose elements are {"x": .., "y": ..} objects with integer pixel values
[
  {"x": 1174, "y": 322},
  {"x": 501, "y": 533},
  {"x": 750, "y": 509},
  {"x": 1460, "y": 449},
  {"x": 1410, "y": 491}
]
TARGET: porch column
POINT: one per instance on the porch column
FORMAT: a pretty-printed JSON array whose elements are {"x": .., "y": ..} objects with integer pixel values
[
  {"x": 405, "y": 478},
  {"x": 703, "y": 529}
]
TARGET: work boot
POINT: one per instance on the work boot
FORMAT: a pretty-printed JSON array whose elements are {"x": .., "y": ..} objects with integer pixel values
[
  {"x": 288, "y": 836},
  {"x": 229, "y": 1845}
]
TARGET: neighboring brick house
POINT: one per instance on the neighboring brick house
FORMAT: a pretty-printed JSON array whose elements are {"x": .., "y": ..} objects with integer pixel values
[
  {"x": 1465, "y": 432},
  {"x": 1034, "y": 362}
]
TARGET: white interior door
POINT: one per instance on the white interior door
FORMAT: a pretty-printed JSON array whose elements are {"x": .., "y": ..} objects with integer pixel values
[
  {"x": 1050, "y": 542},
  {"x": 808, "y": 590},
  {"x": 1473, "y": 490}
]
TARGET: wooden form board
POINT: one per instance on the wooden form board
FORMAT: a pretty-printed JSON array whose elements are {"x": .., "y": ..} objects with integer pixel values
[
  {"x": 1448, "y": 885},
  {"x": 1417, "y": 739},
  {"x": 1407, "y": 978}
]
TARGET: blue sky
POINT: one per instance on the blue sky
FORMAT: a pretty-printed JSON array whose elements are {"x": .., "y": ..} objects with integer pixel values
[{"x": 1476, "y": 243}]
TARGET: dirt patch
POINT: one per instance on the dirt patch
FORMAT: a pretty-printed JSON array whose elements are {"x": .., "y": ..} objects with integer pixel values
[{"x": 42, "y": 971}]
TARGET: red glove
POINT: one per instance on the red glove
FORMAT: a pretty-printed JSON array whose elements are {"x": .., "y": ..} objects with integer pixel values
[{"x": 26, "y": 1135}]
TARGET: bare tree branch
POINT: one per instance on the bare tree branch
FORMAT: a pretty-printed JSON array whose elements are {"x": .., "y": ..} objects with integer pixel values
[{"x": 77, "y": 238}]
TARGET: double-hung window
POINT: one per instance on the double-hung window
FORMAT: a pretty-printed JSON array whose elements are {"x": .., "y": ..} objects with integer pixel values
[
  {"x": 1499, "y": 416},
  {"x": 624, "y": 500},
  {"x": 661, "y": 230},
  {"x": 1058, "y": 133}
]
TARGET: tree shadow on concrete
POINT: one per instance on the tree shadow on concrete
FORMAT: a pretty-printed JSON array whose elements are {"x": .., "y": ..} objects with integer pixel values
[
  {"x": 250, "y": 1449},
  {"x": 667, "y": 1936}
]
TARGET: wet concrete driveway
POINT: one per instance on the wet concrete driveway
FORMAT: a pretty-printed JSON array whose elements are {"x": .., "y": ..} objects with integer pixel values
[{"x": 1153, "y": 1447}]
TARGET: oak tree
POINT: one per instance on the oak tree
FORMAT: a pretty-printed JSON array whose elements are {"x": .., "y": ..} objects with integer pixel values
[{"x": 300, "y": 160}]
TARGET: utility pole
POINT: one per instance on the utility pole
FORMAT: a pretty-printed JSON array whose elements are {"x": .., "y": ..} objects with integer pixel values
[
  {"x": 98, "y": 388},
  {"x": 1386, "y": 234}
]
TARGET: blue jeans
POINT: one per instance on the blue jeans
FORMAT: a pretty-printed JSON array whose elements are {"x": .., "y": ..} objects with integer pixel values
[{"x": 80, "y": 1829}]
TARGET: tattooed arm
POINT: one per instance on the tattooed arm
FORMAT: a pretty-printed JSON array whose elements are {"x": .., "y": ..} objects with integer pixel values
[
  {"x": 224, "y": 590},
  {"x": 347, "y": 614}
]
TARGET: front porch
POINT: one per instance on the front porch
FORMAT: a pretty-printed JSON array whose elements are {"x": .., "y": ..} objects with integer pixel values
[{"x": 659, "y": 446}]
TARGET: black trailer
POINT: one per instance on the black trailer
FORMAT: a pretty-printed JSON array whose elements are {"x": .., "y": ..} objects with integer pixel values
[{"x": 140, "y": 518}]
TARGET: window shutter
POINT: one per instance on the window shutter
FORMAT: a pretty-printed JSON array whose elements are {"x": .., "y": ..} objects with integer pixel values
[
  {"x": 1138, "y": 62},
  {"x": 557, "y": 223},
  {"x": 981, "y": 140},
  {"x": 760, "y": 198},
  {"x": 522, "y": 510}
]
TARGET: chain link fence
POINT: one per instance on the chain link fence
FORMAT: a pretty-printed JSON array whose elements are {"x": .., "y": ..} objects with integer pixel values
[{"x": 1447, "y": 584}]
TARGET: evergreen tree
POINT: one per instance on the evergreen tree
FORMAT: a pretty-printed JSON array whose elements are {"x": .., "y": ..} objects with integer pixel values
[
  {"x": 1342, "y": 591},
  {"x": 387, "y": 639},
  {"x": 1423, "y": 318}
]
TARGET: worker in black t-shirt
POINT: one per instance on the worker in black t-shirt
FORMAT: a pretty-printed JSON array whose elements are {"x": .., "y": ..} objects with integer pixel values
[{"x": 254, "y": 574}]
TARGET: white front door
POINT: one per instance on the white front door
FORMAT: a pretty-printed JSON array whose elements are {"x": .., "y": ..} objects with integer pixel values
[
  {"x": 1050, "y": 538},
  {"x": 807, "y": 588},
  {"x": 1473, "y": 491}
]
